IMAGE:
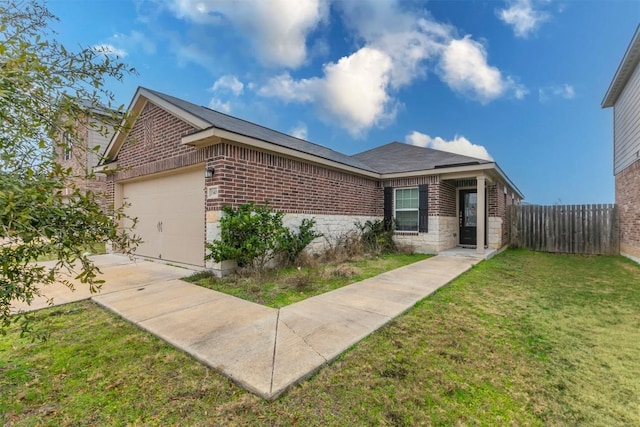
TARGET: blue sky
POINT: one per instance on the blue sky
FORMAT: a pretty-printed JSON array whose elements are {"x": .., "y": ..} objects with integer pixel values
[{"x": 520, "y": 81}]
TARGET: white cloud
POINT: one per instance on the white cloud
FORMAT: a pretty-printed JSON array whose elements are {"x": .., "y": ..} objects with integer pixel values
[
  {"x": 355, "y": 90},
  {"x": 189, "y": 52},
  {"x": 219, "y": 105},
  {"x": 300, "y": 131},
  {"x": 110, "y": 50},
  {"x": 463, "y": 66},
  {"x": 523, "y": 17},
  {"x": 396, "y": 44},
  {"x": 287, "y": 89},
  {"x": 277, "y": 28},
  {"x": 409, "y": 38},
  {"x": 133, "y": 41},
  {"x": 352, "y": 91},
  {"x": 458, "y": 145},
  {"x": 228, "y": 83},
  {"x": 565, "y": 91}
]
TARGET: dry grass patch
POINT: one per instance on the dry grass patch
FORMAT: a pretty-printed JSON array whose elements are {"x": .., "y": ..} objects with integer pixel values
[{"x": 279, "y": 288}]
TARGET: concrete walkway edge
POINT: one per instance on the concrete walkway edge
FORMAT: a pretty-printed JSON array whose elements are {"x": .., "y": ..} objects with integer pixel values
[{"x": 265, "y": 350}]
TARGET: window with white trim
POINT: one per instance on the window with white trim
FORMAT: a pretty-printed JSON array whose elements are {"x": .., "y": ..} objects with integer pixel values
[{"x": 406, "y": 209}]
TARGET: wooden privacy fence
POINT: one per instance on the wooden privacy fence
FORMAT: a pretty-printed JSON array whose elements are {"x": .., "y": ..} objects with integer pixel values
[{"x": 573, "y": 229}]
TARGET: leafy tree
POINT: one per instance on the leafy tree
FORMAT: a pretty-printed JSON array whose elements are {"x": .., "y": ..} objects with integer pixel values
[{"x": 45, "y": 90}]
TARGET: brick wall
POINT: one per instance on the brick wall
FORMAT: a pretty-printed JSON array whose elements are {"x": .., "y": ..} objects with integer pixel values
[
  {"x": 628, "y": 201},
  {"x": 448, "y": 194},
  {"x": 156, "y": 136},
  {"x": 244, "y": 174},
  {"x": 79, "y": 163},
  {"x": 498, "y": 202},
  {"x": 109, "y": 192},
  {"x": 434, "y": 189}
]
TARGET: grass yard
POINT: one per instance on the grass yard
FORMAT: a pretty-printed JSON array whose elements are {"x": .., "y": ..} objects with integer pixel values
[
  {"x": 279, "y": 288},
  {"x": 522, "y": 339}
]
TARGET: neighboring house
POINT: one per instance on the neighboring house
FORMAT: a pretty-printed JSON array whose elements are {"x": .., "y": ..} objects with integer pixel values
[
  {"x": 180, "y": 163},
  {"x": 82, "y": 150},
  {"x": 624, "y": 96}
]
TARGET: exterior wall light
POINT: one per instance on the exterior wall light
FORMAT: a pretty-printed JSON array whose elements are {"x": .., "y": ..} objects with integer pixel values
[{"x": 208, "y": 173}]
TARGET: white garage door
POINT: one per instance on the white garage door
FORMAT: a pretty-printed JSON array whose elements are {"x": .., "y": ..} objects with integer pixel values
[{"x": 170, "y": 212}]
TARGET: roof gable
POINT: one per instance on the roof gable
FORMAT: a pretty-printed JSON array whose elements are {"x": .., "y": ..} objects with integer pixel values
[{"x": 242, "y": 127}]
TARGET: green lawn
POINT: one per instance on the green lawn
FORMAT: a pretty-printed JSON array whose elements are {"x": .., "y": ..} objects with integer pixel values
[
  {"x": 522, "y": 339},
  {"x": 279, "y": 288}
]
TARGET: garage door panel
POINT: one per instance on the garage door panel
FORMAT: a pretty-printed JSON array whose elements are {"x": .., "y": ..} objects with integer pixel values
[
  {"x": 141, "y": 197},
  {"x": 170, "y": 212}
]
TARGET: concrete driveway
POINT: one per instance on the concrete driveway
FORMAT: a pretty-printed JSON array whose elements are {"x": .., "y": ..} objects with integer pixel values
[
  {"x": 119, "y": 273},
  {"x": 265, "y": 350}
]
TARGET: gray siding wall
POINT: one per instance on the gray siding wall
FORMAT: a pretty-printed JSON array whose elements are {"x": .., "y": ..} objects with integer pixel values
[{"x": 626, "y": 125}]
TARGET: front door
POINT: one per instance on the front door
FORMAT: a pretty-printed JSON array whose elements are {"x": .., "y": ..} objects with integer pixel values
[{"x": 468, "y": 217}]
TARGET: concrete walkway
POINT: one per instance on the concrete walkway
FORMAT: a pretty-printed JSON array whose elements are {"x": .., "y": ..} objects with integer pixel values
[{"x": 265, "y": 350}]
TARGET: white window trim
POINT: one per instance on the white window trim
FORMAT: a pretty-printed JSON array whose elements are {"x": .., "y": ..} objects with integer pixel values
[
  {"x": 67, "y": 150},
  {"x": 395, "y": 209}
]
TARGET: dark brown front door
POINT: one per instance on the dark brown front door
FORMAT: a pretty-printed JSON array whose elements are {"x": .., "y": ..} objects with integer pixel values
[{"x": 467, "y": 217}]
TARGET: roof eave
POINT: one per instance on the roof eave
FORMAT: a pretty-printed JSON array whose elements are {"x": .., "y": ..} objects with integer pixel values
[
  {"x": 624, "y": 71},
  {"x": 458, "y": 170},
  {"x": 106, "y": 169},
  {"x": 213, "y": 135}
]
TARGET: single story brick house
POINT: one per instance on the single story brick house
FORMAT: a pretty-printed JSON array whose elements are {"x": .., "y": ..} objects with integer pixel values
[
  {"x": 178, "y": 164},
  {"x": 624, "y": 96}
]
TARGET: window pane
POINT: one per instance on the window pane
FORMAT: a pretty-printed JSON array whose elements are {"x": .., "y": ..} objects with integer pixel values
[
  {"x": 407, "y": 198},
  {"x": 470, "y": 209},
  {"x": 407, "y": 221}
]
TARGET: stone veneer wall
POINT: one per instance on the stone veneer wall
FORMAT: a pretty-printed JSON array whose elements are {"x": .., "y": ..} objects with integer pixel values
[
  {"x": 495, "y": 239},
  {"x": 331, "y": 226},
  {"x": 628, "y": 201},
  {"x": 441, "y": 236}
]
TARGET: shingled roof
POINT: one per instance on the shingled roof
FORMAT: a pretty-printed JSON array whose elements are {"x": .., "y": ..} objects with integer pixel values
[
  {"x": 243, "y": 127},
  {"x": 392, "y": 158},
  {"x": 397, "y": 157}
]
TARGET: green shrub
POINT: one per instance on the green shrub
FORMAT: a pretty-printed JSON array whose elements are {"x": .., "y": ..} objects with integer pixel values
[
  {"x": 293, "y": 243},
  {"x": 254, "y": 235},
  {"x": 376, "y": 238},
  {"x": 248, "y": 235}
]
